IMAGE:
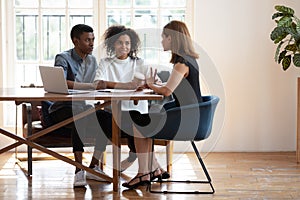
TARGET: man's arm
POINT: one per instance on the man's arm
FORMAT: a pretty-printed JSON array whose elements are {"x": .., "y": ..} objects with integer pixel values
[
  {"x": 100, "y": 84},
  {"x": 62, "y": 61},
  {"x": 86, "y": 86}
]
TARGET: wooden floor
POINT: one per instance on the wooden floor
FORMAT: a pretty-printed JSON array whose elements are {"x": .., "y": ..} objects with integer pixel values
[{"x": 234, "y": 176}]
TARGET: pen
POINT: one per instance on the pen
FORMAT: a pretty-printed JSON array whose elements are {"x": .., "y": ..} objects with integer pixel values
[{"x": 103, "y": 91}]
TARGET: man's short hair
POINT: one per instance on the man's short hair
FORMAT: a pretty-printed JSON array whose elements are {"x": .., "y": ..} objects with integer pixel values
[{"x": 78, "y": 29}]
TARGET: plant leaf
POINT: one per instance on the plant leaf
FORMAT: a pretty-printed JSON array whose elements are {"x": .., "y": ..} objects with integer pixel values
[
  {"x": 285, "y": 21},
  {"x": 284, "y": 9},
  {"x": 278, "y": 14},
  {"x": 297, "y": 41},
  {"x": 291, "y": 47},
  {"x": 277, "y": 51},
  {"x": 278, "y": 33},
  {"x": 281, "y": 56},
  {"x": 296, "y": 60},
  {"x": 297, "y": 25},
  {"x": 286, "y": 62},
  {"x": 291, "y": 30}
]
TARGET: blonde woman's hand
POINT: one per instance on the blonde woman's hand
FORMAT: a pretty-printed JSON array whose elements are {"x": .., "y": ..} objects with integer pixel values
[{"x": 151, "y": 79}]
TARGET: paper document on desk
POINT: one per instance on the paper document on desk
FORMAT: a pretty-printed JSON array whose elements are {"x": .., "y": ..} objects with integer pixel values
[
  {"x": 146, "y": 91},
  {"x": 116, "y": 90}
]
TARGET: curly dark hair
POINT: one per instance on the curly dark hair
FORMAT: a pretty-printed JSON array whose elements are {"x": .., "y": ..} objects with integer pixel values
[{"x": 112, "y": 34}]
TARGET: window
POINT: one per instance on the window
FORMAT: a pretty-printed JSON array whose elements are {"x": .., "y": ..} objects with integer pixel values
[{"x": 42, "y": 30}]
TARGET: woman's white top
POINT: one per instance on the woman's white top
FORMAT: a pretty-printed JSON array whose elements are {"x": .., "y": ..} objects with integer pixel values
[{"x": 117, "y": 70}]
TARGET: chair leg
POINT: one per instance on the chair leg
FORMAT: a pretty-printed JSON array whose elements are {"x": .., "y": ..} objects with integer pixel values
[
  {"x": 29, "y": 132},
  {"x": 169, "y": 151},
  {"x": 16, "y": 131},
  {"x": 103, "y": 161},
  {"x": 29, "y": 160},
  {"x": 208, "y": 181},
  {"x": 203, "y": 167}
]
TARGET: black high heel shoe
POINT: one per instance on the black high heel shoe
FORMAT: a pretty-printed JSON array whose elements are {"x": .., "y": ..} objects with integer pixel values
[
  {"x": 164, "y": 175},
  {"x": 140, "y": 183}
]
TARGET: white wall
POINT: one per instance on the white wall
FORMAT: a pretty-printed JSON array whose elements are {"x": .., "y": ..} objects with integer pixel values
[{"x": 260, "y": 102}]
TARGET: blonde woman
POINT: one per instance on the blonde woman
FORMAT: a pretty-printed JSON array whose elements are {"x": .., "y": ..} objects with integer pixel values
[{"x": 183, "y": 84}]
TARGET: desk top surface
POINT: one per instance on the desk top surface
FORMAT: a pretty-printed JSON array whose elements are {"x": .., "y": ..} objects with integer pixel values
[{"x": 38, "y": 94}]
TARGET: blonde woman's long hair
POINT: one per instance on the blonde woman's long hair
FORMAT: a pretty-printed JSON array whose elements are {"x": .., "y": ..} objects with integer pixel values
[{"x": 181, "y": 40}]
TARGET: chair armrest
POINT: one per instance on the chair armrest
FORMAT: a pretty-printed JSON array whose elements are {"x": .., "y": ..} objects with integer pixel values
[
  {"x": 208, "y": 101},
  {"x": 26, "y": 108},
  {"x": 27, "y": 117}
]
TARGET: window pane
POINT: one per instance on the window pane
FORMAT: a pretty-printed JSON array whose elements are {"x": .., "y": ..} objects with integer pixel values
[
  {"x": 53, "y": 4},
  {"x": 118, "y": 3},
  {"x": 118, "y": 17},
  {"x": 168, "y": 15},
  {"x": 81, "y": 19},
  {"x": 26, "y": 37},
  {"x": 173, "y": 3},
  {"x": 54, "y": 36},
  {"x": 145, "y": 19},
  {"x": 150, "y": 38},
  {"x": 27, "y": 3},
  {"x": 145, "y": 3},
  {"x": 20, "y": 37},
  {"x": 151, "y": 49},
  {"x": 80, "y": 3},
  {"x": 150, "y": 55},
  {"x": 27, "y": 73}
]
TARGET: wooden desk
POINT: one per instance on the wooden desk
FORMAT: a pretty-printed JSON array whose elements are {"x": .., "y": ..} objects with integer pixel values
[{"x": 38, "y": 94}]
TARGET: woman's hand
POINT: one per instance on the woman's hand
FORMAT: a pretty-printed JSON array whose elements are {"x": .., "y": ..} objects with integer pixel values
[
  {"x": 151, "y": 79},
  {"x": 141, "y": 87}
]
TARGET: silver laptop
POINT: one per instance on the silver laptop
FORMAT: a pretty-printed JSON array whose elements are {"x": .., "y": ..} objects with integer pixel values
[{"x": 54, "y": 81}]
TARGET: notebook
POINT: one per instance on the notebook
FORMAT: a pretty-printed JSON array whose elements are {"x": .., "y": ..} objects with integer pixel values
[{"x": 54, "y": 81}]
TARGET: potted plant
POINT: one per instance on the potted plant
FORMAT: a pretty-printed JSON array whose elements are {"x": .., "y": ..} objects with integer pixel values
[{"x": 287, "y": 37}]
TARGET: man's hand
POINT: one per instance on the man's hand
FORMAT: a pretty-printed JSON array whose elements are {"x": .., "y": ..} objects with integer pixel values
[{"x": 100, "y": 84}]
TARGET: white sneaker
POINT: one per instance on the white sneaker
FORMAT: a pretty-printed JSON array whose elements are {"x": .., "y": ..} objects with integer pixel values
[
  {"x": 94, "y": 177},
  {"x": 79, "y": 179}
]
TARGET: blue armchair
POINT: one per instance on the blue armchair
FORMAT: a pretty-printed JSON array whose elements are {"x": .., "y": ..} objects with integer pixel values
[{"x": 187, "y": 123}]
